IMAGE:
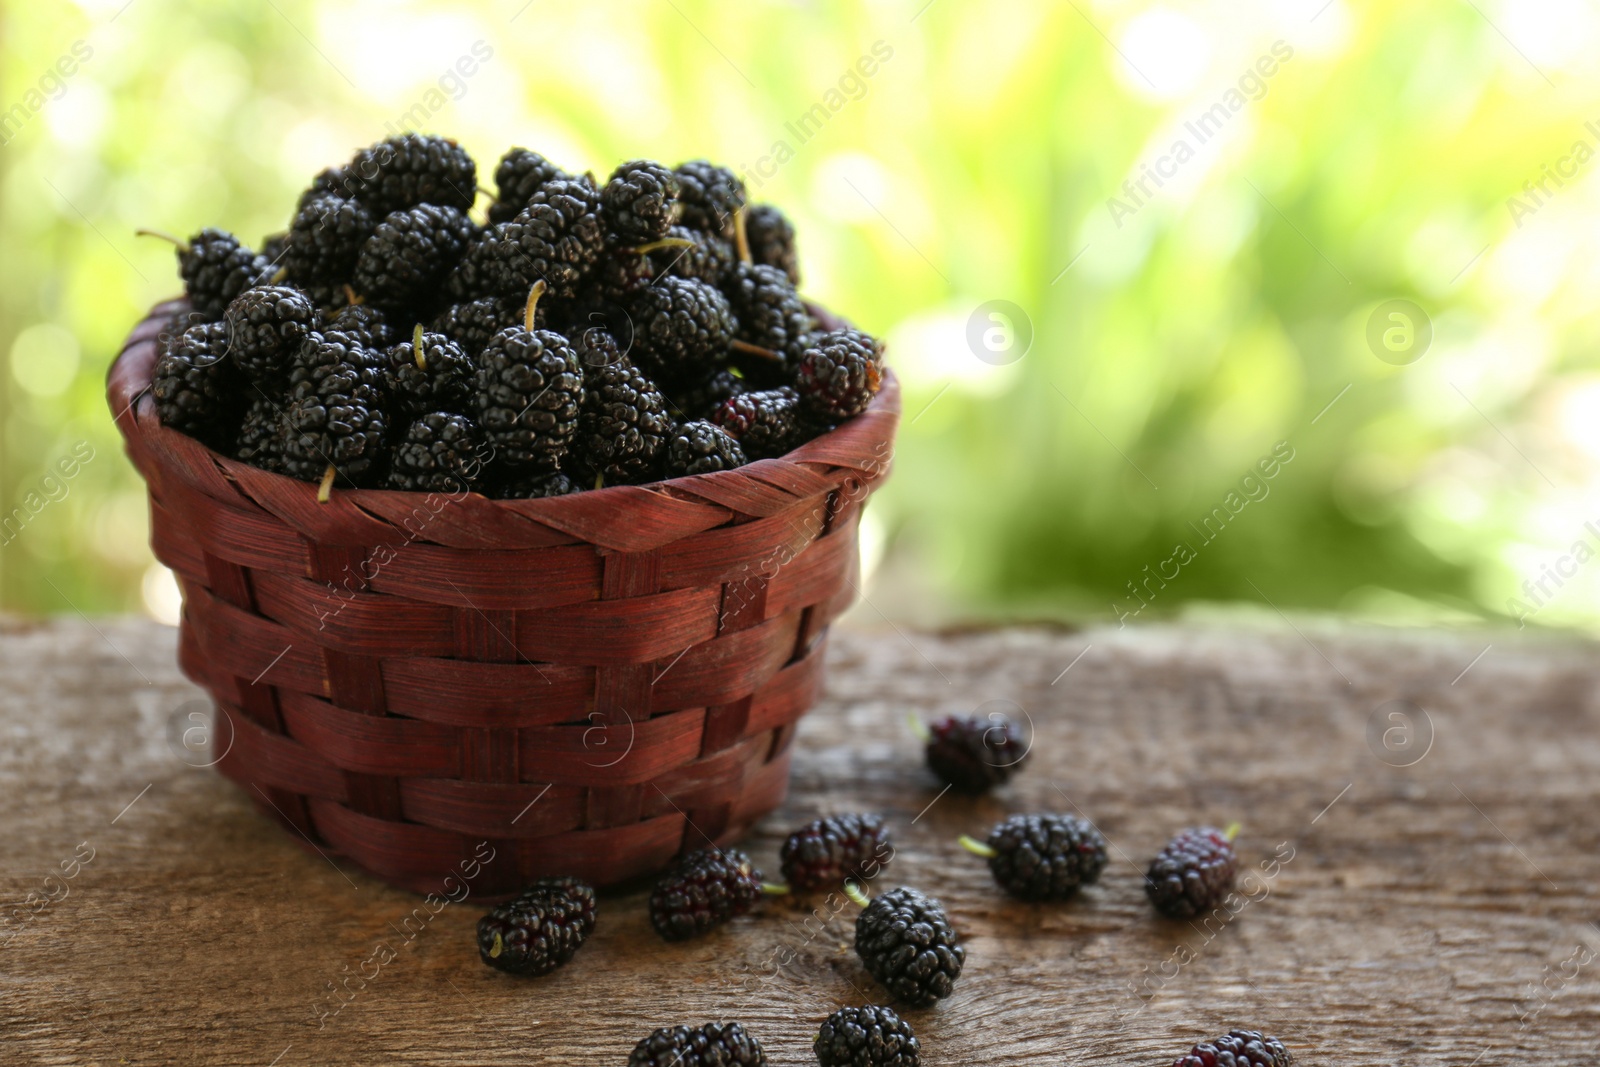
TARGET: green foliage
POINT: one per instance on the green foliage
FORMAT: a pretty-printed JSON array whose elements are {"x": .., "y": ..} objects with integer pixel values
[{"x": 935, "y": 158}]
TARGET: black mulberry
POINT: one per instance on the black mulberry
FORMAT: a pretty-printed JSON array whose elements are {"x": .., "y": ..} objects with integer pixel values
[
  {"x": 540, "y": 930},
  {"x": 705, "y": 890},
  {"x": 518, "y": 176},
  {"x": 822, "y": 854},
  {"x": 1043, "y": 857},
  {"x": 335, "y": 423},
  {"x": 872, "y": 1036},
  {"x": 262, "y": 434},
  {"x": 363, "y": 322},
  {"x": 700, "y": 398},
  {"x": 325, "y": 238},
  {"x": 195, "y": 385},
  {"x": 711, "y": 1045},
  {"x": 623, "y": 424},
  {"x": 701, "y": 448},
  {"x": 409, "y": 254},
  {"x": 266, "y": 326},
  {"x": 682, "y": 328},
  {"x": 771, "y": 239},
  {"x": 410, "y": 169},
  {"x": 621, "y": 272},
  {"x": 766, "y": 424},
  {"x": 973, "y": 753},
  {"x": 530, "y": 386},
  {"x": 216, "y": 268},
  {"x": 710, "y": 195},
  {"x": 1193, "y": 873},
  {"x": 470, "y": 324},
  {"x": 537, "y": 486},
  {"x": 556, "y": 239},
  {"x": 909, "y": 946},
  {"x": 442, "y": 378},
  {"x": 640, "y": 200},
  {"x": 771, "y": 317},
  {"x": 839, "y": 374},
  {"x": 1238, "y": 1048},
  {"x": 706, "y": 257},
  {"x": 478, "y": 273}
]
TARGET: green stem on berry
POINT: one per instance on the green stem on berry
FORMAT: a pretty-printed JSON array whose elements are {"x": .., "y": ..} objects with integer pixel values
[
  {"x": 533, "y": 303},
  {"x": 599, "y": 479},
  {"x": 919, "y": 729},
  {"x": 325, "y": 490},
  {"x": 1232, "y": 831},
  {"x": 416, "y": 349},
  {"x": 976, "y": 847},
  {"x": 741, "y": 236},
  {"x": 183, "y": 246},
  {"x": 773, "y": 890},
  {"x": 854, "y": 892},
  {"x": 351, "y": 297},
  {"x": 756, "y": 350},
  {"x": 279, "y": 276},
  {"x": 497, "y": 948},
  {"x": 665, "y": 242}
]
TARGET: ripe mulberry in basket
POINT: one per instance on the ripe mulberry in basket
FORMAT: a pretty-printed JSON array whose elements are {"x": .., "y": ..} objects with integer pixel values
[{"x": 574, "y": 680}]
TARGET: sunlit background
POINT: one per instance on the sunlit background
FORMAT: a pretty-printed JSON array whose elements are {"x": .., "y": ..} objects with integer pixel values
[{"x": 1176, "y": 334}]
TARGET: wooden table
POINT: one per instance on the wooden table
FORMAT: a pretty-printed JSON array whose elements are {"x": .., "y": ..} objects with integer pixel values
[{"x": 1439, "y": 913}]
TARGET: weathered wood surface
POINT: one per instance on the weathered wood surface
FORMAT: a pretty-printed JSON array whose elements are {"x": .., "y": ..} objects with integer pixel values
[{"x": 1440, "y": 913}]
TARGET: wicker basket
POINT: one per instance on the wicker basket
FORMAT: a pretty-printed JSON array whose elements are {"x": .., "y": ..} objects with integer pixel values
[{"x": 591, "y": 684}]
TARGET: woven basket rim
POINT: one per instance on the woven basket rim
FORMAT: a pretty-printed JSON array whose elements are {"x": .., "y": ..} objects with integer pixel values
[{"x": 128, "y": 393}]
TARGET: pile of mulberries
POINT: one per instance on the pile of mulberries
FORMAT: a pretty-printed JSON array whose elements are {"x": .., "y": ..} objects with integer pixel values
[{"x": 583, "y": 334}]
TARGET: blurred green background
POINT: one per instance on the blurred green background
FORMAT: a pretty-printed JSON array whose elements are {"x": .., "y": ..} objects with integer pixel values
[{"x": 1334, "y": 156}]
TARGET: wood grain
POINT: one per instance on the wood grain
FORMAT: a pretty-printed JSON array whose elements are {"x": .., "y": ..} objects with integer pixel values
[{"x": 1440, "y": 913}]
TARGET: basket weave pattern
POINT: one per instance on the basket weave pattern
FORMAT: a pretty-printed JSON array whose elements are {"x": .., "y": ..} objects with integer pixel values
[{"x": 591, "y": 683}]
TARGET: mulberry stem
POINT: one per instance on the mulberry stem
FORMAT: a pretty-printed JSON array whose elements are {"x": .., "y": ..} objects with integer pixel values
[
  {"x": 919, "y": 729},
  {"x": 976, "y": 847},
  {"x": 416, "y": 348},
  {"x": 325, "y": 490},
  {"x": 756, "y": 350},
  {"x": 533, "y": 303},
  {"x": 183, "y": 246},
  {"x": 665, "y": 242},
  {"x": 854, "y": 892},
  {"x": 741, "y": 236}
]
